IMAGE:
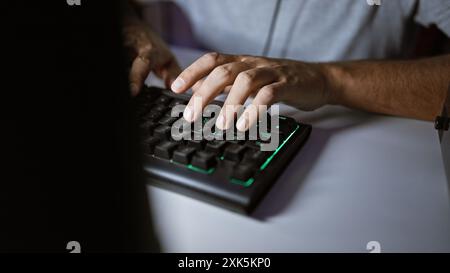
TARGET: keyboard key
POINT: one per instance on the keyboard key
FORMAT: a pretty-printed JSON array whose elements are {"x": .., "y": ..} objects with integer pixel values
[
  {"x": 183, "y": 154},
  {"x": 149, "y": 144},
  {"x": 234, "y": 152},
  {"x": 153, "y": 115},
  {"x": 197, "y": 144},
  {"x": 176, "y": 102},
  {"x": 167, "y": 120},
  {"x": 162, "y": 108},
  {"x": 243, "y": 172},
  {"x": 182, "y": 130},
  {"x": 204, "y": 160},
  {"x": 162, "y": 132},
  {"x": 227, "y": 165},
  {"x": 197, "y": 135},
  {"x": 165, "y": 149},
  {"x": 235, "y": 141},
  {"x": 253, "y": 144},
  {"x": 216, "y": 146},
  {"x": 282, "y": 135},
  {"x": 147, "y": 94},
  {"x": 163, "y": 100},
  {"x": 264, "y": 137},
  {"x": 147, "y": 127},
  {"x": 255, "y": 157}
]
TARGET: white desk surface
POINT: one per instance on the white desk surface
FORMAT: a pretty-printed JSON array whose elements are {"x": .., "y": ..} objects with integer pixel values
[{"x": 360, "y": 177}]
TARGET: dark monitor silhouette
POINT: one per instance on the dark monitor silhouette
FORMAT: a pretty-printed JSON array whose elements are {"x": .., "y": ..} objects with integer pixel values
[{"x": 70, "y": 170}]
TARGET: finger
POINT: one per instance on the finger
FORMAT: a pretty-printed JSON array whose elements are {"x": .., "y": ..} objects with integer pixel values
[
  {"x": 139, "y": 71},
  {"x": 197, "y": 85},
  {"x": 198, "y": 70},
  {"x": 219, "y": 78},
  {"x": 227, "y": 89},
  {"x": 245, "y": 84},
  {"x": 170, "y": 72},
  {"x": 262, "y": 101}
]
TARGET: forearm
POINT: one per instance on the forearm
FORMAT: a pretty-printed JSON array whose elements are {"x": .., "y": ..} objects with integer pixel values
[{"x": 415, "y": 88}]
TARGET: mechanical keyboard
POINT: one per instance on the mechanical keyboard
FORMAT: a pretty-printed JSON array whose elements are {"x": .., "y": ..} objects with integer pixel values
[{"x": 234, "y": 174}]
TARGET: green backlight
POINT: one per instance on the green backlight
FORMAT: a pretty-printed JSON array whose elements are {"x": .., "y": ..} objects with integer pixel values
[
  {"x": 247, "y": 183},
  {"x": 210, "y": 171},
  {"x": 263, "y": 166},
  {"x": 195, "y": 169}
]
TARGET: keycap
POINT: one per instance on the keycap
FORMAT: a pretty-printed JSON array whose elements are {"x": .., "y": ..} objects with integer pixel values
[
  {"x": 204, "y": 160},
  {"x": 162, "y": 132},
  {"x": 153, "y": 115},
  {"x": 214, "y": 134},
  {"x": 165, "y": 149},
  {"x": 149, "y": 144},
  {"x": 243, "y": 172},
  {"x": 160, "y": 108},
  {"x": 147, "y": 127},
  {"x": 264, "y": 137},
  {"x": 198, "y": 144},
  {"x": 145, "y": 98},
  {"x": 167, "y": 120},
  {"x": 215, "y": 146},
  {"x": 177, "y": 102},
  {"x": 183, "y": 154},
  {"x": 234, "y": 152},
  {"x": 163, "y": 99},
  {"x": 181, "y": 130},
  {"x": 281, "y": 137},
  {"x": 255, "y": 157},
  {"x": 253, "y": 144},
  {"x": 147, "y": 94},
  {"x": 227, "y": 164},
  {"x": 197, "y": 134},
  {"x": 235, "y": 141}
]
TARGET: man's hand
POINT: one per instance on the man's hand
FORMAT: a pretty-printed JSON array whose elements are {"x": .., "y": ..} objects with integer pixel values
[
  {"x": 411, "y": 88},
  {"x": 269, "y": 80},
  {"x": 150, "y": 54}
]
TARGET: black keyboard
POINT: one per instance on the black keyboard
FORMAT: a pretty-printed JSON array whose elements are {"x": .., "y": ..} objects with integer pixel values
[{"x": 234, "y": 174}]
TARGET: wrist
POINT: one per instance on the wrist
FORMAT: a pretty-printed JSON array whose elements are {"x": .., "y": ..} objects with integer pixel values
[{"x": 335, "y": 76}]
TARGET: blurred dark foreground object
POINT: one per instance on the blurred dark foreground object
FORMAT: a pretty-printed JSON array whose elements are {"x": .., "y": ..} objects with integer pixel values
[{"x": 69, "y": 169}]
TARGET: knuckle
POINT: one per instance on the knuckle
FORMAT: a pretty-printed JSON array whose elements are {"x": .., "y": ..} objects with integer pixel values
[
  {"x": 245, "y": 58},
  {"x": 283, "y": 79},
  {"x": 245, "y": 78},
  {"x": 211, "y": 57},
  {"x": 267, "y": 93},
  {"x": 145, "y": 50},
  {"x": 223, "y": 71}
]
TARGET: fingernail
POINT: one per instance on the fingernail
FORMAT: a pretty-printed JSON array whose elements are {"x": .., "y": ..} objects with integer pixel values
[
  {"x": 177, "y": 85},
  {"x": 241, "y": 124},
  {"x": 188, "y": 114},
  {"x": 220, "y": 122}
]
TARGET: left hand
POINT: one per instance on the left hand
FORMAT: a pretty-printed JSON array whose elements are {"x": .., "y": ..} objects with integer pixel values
[{"x": 300, "y": 84}]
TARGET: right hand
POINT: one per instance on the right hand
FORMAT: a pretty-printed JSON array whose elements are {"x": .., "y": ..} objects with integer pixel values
[{"x": 151, "y": 54}]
